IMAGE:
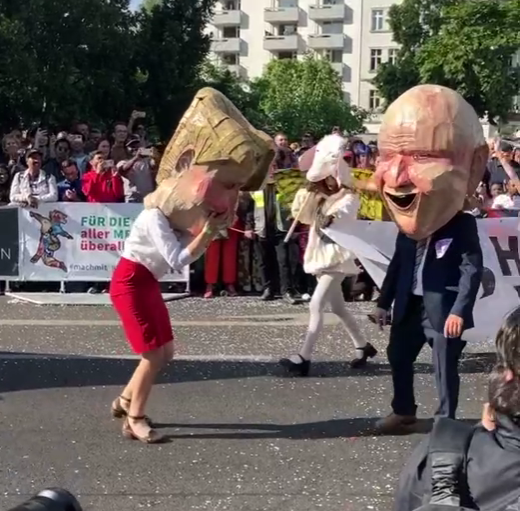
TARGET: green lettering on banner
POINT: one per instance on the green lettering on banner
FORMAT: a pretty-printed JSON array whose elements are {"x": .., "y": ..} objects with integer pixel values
[{"x": 121, "y": 234}]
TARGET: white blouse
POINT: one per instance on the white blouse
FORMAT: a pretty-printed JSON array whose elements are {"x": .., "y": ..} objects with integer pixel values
[{"x": 153, "y": 244}]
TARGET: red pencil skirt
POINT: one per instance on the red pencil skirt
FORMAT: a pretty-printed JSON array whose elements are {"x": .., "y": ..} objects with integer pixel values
[{"x": 136, "y": 296}]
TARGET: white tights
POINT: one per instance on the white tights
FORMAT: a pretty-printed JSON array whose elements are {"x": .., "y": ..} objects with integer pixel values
[{"x": 329, "y": 291}]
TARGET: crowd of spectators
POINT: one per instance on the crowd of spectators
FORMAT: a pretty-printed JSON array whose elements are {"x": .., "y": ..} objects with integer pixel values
[
  {"x": 83, "y": 164},
  {"x": 86, "y": 164}
]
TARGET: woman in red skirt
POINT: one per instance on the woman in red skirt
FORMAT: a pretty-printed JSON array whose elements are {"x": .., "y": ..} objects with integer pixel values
[{"x": 150, "y": 251}]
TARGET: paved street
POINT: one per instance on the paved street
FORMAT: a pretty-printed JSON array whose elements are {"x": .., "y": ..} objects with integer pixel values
[{"x": 242, "y": 437}]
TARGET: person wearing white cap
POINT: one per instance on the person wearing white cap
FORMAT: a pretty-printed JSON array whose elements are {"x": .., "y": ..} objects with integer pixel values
[{"x": 330, "y": 195}]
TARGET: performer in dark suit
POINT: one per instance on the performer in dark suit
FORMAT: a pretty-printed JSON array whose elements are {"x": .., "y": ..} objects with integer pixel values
[
  {"x": 433, "y": 284},
  {"x": 432, "y": 156}
]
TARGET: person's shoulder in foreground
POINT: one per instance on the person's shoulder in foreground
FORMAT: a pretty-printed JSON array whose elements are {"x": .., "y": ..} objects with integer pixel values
[{"x": 489, "y": 475}]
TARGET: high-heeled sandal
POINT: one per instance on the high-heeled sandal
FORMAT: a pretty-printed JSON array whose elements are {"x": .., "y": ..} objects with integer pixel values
[
  {"x": 153, "y": 436},
  {"x": 120, "y": 413}
]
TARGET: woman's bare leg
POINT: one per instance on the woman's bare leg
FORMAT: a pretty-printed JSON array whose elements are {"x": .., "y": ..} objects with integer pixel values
[{"x": 141, "y": 384}]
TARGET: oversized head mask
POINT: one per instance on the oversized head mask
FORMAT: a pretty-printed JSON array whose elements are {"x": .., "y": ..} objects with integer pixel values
[
  {"x": 213, "y": 154},
  {"x": 327, "y": 161},
  {"x": 432, "y": 154}
]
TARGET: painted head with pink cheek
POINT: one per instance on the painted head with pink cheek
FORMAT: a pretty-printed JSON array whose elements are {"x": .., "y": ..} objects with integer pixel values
[
  {"x": 213, "y": 154},
  {"x": 432, "y": 154}
]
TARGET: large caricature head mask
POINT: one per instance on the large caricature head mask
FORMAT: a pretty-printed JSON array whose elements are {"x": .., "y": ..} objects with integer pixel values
[
  {"x": 325, "y": 159},
  {"x": 432, "y": 155},
  {"x": 213, "y": 154}
]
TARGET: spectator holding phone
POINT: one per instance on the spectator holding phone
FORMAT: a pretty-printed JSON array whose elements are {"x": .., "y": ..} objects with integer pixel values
[
  {"x": 137, "y": 172},
  {"x": 69, "y": 189},
  {"x": 33, "y": 185},
  {"x": 103, "y": 183}
]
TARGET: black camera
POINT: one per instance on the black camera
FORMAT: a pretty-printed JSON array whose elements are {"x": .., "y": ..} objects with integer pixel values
[{"x": 51, "y": 499}]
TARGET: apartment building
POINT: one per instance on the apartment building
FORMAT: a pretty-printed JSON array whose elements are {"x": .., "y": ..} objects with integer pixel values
[{"x": 352, "y": 34}]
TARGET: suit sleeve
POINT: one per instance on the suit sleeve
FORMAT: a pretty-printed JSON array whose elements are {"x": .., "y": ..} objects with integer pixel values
[
  {"x": 471, "y": 268},
  {"x": 389, "y": 286}
]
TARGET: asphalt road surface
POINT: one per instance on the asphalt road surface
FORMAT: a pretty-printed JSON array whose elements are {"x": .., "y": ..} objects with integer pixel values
[{"x": 241, "y": 436}]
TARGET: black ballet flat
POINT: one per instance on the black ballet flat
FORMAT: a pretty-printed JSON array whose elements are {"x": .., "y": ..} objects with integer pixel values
[
  {"x": 368, "y": 352},
  {"x": 296, "y": 368}
]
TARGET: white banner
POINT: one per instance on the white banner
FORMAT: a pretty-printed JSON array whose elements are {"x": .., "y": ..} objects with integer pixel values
[
  {"x": 76, "y": 241},
  {"x": 500, "y": 289}
]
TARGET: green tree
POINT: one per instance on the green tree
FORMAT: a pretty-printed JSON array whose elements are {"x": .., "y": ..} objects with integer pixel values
[
  {"x": 304, "y": 95},
  {"x": 172, "y": 47},
  {"x": 65, "y": 59},
  {"x": 466, "y": 46},
  {"x": 244, "y": 95},
  {"x": 148, "y": 5}
]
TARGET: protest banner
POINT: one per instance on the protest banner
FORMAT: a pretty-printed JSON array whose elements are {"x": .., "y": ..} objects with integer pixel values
[
  {"x": 500, "y": 288},
  {"x": 76, "y": 241}
]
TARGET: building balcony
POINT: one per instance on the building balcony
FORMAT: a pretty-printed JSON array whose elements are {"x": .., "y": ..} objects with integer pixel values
[
  {"x": 282, "y": 15},
  {"x": 227, "y": 18},
  {"x": 327, "y": 12},
  {"x": 226, "y": 45},
  {"x": 277, "y": 43},
  {"x": 327, "y": 41}
]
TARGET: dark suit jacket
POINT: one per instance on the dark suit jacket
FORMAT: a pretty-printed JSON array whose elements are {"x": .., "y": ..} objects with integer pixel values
[{"x": 450, "y": 282}]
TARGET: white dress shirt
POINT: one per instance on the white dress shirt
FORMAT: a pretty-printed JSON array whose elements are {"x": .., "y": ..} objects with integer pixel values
[
  {"x": 153, "y": 244},
  {"x": 418, "y": 290}
]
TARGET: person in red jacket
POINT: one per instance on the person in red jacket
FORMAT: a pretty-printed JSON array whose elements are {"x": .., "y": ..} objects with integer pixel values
[{"x": 103, "y": 183}]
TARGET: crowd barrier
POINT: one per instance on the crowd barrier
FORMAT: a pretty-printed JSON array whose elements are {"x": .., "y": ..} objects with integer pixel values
[{"x": 67, "y": 242}]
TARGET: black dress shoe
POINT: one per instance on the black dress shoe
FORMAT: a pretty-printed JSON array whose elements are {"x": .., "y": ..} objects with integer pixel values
[
  {"x": 367, "y": 352},
  {"x": 300, "y": 368},
  {"x": 267, "y": 296}
]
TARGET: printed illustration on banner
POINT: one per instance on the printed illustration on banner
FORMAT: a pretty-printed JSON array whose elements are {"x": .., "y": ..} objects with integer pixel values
[{"x": 51, "y": 229}]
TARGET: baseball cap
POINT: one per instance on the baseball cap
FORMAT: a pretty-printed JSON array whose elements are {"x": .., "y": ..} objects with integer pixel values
[
  {"x": 32, "y": 152},
  {"x": 133, "y": 141}
]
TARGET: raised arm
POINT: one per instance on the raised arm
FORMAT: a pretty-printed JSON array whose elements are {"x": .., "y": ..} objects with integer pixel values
[{"x": 169, "y": 245}]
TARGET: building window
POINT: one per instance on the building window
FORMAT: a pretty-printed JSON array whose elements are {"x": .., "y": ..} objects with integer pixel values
[
  {"x": 231, "y": 5},
  {"x": 230, "y": 32},
  {"x": 378, "y": 20},
  {"x": 287, "y": 30},
  {"x": 286, "y": 55},
  {"x": 331, "y": 27},
  {"x": 230, "y": 59},
  {"x": 392, "y": 55},
  {"x": 334, "y": 56},
  {"x": 374, "y": 100},
  {"x": 376, "y": 57}
]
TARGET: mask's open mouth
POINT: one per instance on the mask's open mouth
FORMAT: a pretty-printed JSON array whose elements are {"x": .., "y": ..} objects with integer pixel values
[{"x": 404, "y": 200}]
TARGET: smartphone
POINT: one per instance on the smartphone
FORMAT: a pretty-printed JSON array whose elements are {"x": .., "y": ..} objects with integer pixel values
[{"x": 146, "y": 152}]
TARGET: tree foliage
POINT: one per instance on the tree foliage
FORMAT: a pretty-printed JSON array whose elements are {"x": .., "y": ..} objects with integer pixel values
[
  {"x": 94, "y": 59},
  {"x": 296, "y": 96},
  {"x": 65, "y": 59},
  {"x": 464, "y": 45},
  {"x": 172, "y": 46}
]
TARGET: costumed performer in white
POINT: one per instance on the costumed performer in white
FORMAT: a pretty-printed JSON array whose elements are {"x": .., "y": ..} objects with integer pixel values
[{"x": 329, "y": 195}]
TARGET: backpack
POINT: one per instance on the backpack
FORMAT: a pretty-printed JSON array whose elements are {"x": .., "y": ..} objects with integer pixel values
[{"x": 449, "y": 442}]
